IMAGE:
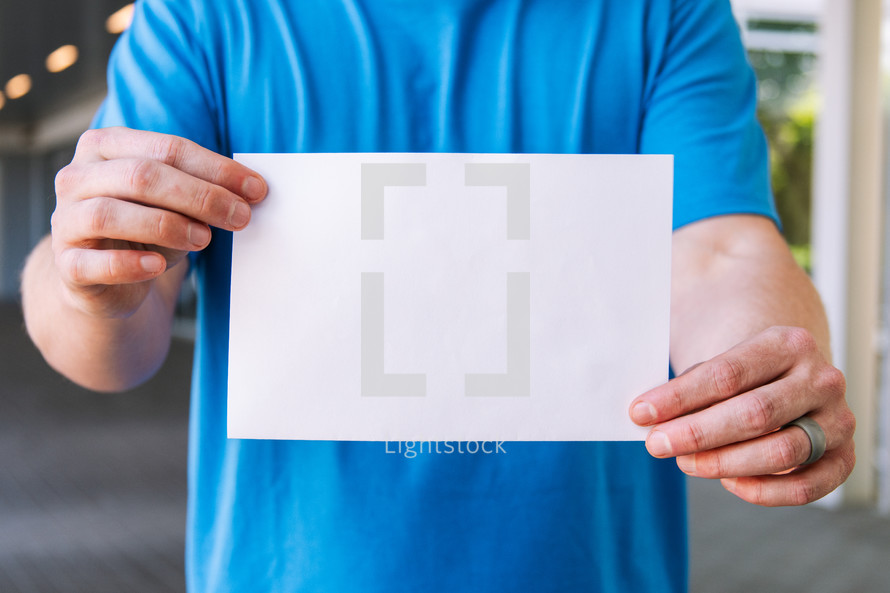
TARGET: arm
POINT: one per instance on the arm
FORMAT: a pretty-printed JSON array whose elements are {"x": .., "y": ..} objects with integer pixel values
[
  {"x": 98, "y": 295},
  {"x": 732, "y": 277},
  {"x": 748, "y": 325}
]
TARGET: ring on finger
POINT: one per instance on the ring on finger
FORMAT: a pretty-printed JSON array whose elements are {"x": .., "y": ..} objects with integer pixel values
[{"x": 816, "y": 435}]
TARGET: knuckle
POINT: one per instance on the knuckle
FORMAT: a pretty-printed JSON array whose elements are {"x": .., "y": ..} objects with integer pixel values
[
  {"x": 786, "y": 452},
  {"x": 847, "y": 424},
  {"x": 727, "y": 377},
  {"x": 673, "y": 397},
  {"x": 716, "y": 465},
  {"x": 831, "y": 381},
  {"x": 801, "y": 491},
  {"x": 758, "y": 496},
  {"x": 842, "y": 460},
  {"x": 848, "y": 460},
  {"x": 694, "y": 436},
  {"x": 711, "y": 465},
  {"x": 100, "y": 217},
  {"x": 56, "y": 222},
  {"x": 164, "y": 227},
  {"x": 753, "y": 492},
  {"x": 66, "y": 227},
  {"x": 65, "y": 179},
  {"x": 758, "y": 415},
  {"x": 168, "y": 149},
  {"x": 72, "y": 267},
  {"x": 798, "y": 339},
  {"x": 204, "y": 200},
  {"x": 90, "y": 140},
  {"x": 114, "y": 267},
  {"x": 58, "y": 248},
  {"x": 142, "y": 175}
]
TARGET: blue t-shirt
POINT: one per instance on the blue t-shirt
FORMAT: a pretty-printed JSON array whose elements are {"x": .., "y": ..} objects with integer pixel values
[{"x": 549, "y": 76}]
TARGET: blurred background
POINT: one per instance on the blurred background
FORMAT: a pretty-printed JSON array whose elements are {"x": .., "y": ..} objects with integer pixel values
[{"x": 92, "y": 487}]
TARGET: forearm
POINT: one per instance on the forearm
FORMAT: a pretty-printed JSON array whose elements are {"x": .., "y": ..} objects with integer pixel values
[
  {"x": 100, "y": 353},
  {"x": 733, "y": 277},
  {"x": 742, "y": 382}
]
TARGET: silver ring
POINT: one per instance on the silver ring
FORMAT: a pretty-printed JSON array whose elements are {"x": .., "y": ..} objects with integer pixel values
[{"x": 815, "y": 434}]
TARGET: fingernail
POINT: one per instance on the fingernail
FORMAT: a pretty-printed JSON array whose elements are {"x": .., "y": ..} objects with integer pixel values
[
  {"x": 239, "y": 214},
  {"x": 658, "y": 444},
  {"x": 253, "y": 188},
  {"x": 151, "y": 263},
  {"x": 642, "y": 413},
  {"x": 198, "y": 234},
  {"x": 686, "y": 463}
]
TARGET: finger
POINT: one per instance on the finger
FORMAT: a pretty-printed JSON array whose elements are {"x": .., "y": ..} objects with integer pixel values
[
  {"x": 773, "y": 453},
  {"x": 106, "y": 218},
  {"x": 155, "y": 184},
  {"x": 174, "y": 151},
  {"x": 754, "y": 362},
  {"x": 738, "y": 419},
  {"x": 809, "y": 388},
  {"x": 91, "y": 267},
  {"x": 801, "y": 486}
]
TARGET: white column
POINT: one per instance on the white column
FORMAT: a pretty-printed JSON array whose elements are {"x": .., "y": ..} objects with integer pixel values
[{"x": 847, "y": 212}]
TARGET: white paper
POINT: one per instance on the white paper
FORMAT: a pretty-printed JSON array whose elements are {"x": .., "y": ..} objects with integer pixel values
[{"x": 435, "y": 297}]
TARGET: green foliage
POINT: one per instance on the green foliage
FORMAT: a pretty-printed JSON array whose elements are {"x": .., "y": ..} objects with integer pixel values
[
  {"x": 790, "y": 139},
  {"x": 803, "y": 256},
  {"x": 787, "y": 110}
]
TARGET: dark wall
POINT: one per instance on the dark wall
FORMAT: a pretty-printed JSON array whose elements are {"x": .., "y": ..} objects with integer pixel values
[{"x": 27, "y": 200}]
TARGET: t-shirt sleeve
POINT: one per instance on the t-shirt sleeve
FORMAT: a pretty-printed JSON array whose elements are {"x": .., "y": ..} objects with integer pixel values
[
  {"x": 158, "y": 76},
  {"x": 700, "y": 107},
  {"x": 159, "y": 79}
]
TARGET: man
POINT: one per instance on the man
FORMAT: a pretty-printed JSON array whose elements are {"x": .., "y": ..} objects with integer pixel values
[{"x": 653, "y": 76}]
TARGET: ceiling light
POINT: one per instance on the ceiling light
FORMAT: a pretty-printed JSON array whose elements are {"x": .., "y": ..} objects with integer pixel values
[
  {"x": 62, "y": 58},
  {"x": 18, "y": 86},
  {"x": 120, "y": 20}
]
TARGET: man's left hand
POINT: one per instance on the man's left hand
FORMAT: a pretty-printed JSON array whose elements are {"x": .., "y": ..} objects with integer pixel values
[{"x": 724, "y": 419}]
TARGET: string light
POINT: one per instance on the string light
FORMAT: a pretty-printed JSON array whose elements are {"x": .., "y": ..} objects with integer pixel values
[
  {"x": 65, "y": 56},
  {"x": 62, "y": 58},
  {"x": 18, "y": 86},
  {"x": 120, "y": 20}
]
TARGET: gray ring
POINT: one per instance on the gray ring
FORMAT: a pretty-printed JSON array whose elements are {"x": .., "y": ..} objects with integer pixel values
[{"x": 815, "y": 434}]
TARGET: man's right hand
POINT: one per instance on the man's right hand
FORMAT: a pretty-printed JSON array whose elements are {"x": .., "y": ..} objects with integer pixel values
[{"x": 131, "y": 205}]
